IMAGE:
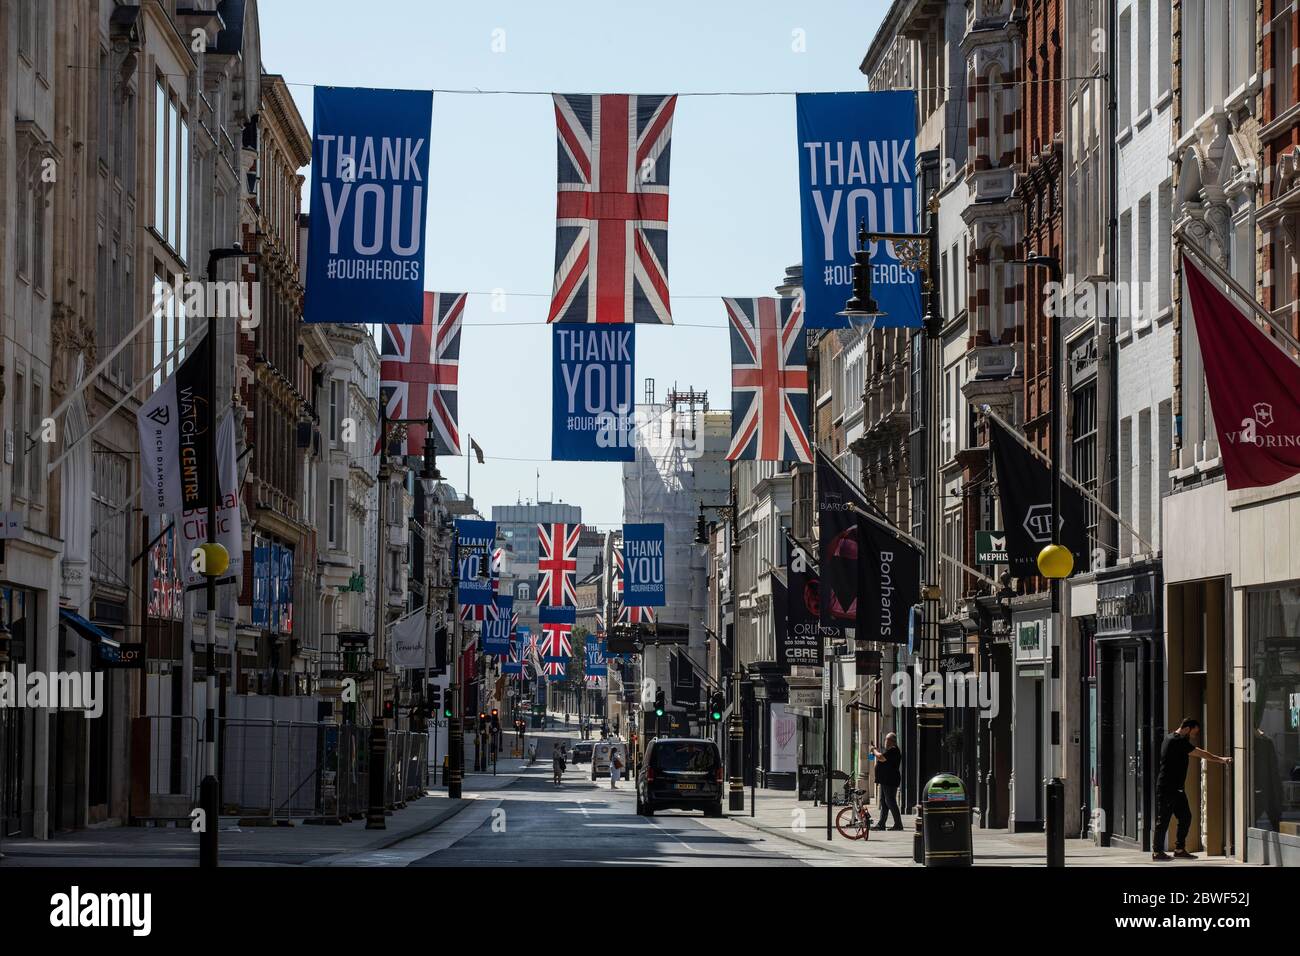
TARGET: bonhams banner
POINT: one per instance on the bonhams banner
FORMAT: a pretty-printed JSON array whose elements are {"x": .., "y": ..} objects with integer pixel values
[
  {"x": 592, "y": 406},
  {"x": 891, "y": 584},
  {"x": 857, "y": 160},
  {"x": 369, "y": 172}
]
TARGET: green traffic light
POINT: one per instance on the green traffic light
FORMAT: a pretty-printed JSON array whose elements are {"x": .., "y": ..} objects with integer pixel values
[
  {"x": 659, "y": 711},
  {"x": 446, "y": 712},
  {"x": 716, "y": 715}
]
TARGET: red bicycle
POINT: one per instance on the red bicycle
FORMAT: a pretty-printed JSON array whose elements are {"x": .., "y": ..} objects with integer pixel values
[{"x": 854, "y": 821}]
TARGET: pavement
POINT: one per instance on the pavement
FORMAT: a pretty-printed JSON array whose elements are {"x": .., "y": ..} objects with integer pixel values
[{"x": 780, "y": 813}]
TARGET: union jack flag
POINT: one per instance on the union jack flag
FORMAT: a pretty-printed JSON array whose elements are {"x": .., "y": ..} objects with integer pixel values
[
  {"x": 618, "y": 574},
  {"x": 557, "y": 564},
  {"x": 611, "y": 216},
  {"x": 769, "y": 380},
  {"x": 419, "y": 369},
  {"x": 600, "y": 624},
  {"x": 631, "y": 614}
]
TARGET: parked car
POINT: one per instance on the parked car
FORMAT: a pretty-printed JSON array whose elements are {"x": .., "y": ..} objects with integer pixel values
[
  {"x": 581, "y": 753},
  {"x": 600, "y": 753},
  {"x": 680, "y": 773}
]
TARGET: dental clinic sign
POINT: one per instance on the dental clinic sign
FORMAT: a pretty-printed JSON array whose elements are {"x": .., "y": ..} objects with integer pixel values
[
  {"x": 643, "y": 562},
  {"x": 857, "y": 161},
  {"x": 369, "y": 172}
]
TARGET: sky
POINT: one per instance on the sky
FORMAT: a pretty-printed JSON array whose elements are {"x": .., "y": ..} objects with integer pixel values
[{"x": 733, "y": 207}]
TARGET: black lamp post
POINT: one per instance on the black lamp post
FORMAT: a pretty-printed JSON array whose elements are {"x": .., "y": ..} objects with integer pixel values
[
  {"x": 1055, "y": 563},
  {"x": 376, "y": 810},
  {"x": 212, "y": 564},
  {"x": 919, "y": 252}
]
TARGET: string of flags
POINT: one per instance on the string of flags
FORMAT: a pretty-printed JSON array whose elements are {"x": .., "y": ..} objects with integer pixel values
[{"x": 369, "y": 189}]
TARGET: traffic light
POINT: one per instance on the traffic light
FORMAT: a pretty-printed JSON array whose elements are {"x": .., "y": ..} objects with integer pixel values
[
  {"x": 659, "y": 703},
  {"x": 717, "y": 704},
  {"x": 446, "y": 710},
  {"x": 496, "y": 720},
  {"x": 388, "y": 709},
  {"x": 435, "y": 698}
]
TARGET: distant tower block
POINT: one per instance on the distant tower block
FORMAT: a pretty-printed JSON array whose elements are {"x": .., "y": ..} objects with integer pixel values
[{"x": 649, "y": 391}]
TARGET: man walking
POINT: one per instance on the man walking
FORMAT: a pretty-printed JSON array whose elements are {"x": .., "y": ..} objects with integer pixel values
[
  {"x": 889, "y": 776},
  {"x": 1171, "y": 799}
]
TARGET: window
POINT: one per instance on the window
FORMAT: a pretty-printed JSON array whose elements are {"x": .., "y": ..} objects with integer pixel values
[
  {"x": 1124, "y": 271},
  {"x": 1142, "y": 298},
  {"x": 23, "y": 216},
  {"x": 108, "y": 544},
  {"x": 1145, "y": 452},
  {"x": 333, "y": 531},
  {"x": 1281, "y": 43},
  {"x": 1273, "y": 620},
  {"x": 1124, "y": 66},
  {"x": 35, "y": 453},
  {"x": 1142, "y": 76},
  {"x": 171, "y": 171},
  {"x": 1164, "y": 46},
  {"x": 38, "y": 239},
  {"x": 1165, "y": 268},
  {"x": 1125, "y": 483},
  {"x": 1084, "y": 454},
  {"x": 20, "y": 433},
  {"x": 334, "y": 411},
  {"x": 42, "y": 50},
  {"x": 25, "y": 27}
]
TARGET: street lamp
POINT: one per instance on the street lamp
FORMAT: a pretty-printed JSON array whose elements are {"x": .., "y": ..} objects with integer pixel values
[
  {"x": 378, "y": 763},
  {"x": 213, "y": 560},
  {"x": 917, "y": 252},
  {"x": 736, "y": 723},
  {"x": 1055, "y": 563}
]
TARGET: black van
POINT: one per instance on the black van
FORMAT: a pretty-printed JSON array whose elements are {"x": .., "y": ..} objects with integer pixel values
[{"x": 680, "y": 773}]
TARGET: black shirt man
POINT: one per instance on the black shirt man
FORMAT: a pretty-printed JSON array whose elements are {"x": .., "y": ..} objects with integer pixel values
[
  {"x": 1171, "y": 799},
  {"x": 889, "y": 775}
]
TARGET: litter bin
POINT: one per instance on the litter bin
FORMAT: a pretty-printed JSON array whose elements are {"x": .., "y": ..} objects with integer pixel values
[{"x": 946, "y": 821}]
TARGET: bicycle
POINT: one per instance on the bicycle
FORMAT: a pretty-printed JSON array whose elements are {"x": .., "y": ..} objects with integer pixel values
[{"x": 854, "y": 821}]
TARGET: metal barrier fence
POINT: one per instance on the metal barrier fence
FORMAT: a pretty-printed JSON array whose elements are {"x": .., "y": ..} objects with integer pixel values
[{"x": 279, "y": 770}]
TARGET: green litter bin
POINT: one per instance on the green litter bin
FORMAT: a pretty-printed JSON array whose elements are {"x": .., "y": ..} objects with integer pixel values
[{"x": 946, "y": 821}]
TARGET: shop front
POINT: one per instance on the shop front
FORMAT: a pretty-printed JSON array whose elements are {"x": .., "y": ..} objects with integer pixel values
[
  {"x": 1128, "y": 704},
  {"x": 1273, "y": 733},
  {"x": 1031, "y": 629}
]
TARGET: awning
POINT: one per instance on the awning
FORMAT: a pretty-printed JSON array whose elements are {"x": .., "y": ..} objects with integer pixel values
[{"x": 91, "y": 632}]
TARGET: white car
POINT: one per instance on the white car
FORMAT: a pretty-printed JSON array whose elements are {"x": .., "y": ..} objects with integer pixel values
[{"x": 600, "y": 757}]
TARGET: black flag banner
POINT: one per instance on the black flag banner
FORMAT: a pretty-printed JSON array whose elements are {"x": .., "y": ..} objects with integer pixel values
[
  {"x": 891, "y": 584},
  {"x": 801, "y": 641},
  {"x": 837, "y": 542},
  {"x": 173, "y": 424},
  {"x": 1025, "y": 489}
]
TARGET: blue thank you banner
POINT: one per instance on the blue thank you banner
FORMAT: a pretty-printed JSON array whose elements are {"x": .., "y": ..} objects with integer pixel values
[
  {"x": 497, "y": 634},
  {"x": 857, "y": 160},
  {"x": 595, "y": 665},
  {"x": 592, "y": 405},
  {"x": 643, "y": 565},
  {"x": 369, "y": 193},
  {"x": 475, "y": 541}
]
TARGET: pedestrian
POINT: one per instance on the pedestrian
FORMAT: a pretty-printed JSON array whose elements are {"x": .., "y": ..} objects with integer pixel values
[
  {"x": 1171, "y": 799},
  {"x": 889, "y": 775},
  {"x": 557, "y": 764},
  {"x": 566, "y": 720},
  {"x": 615, "y": 767}
]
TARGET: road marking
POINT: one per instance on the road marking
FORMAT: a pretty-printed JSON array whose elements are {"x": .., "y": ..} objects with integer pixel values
[{"x": 671, "y": 834}]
